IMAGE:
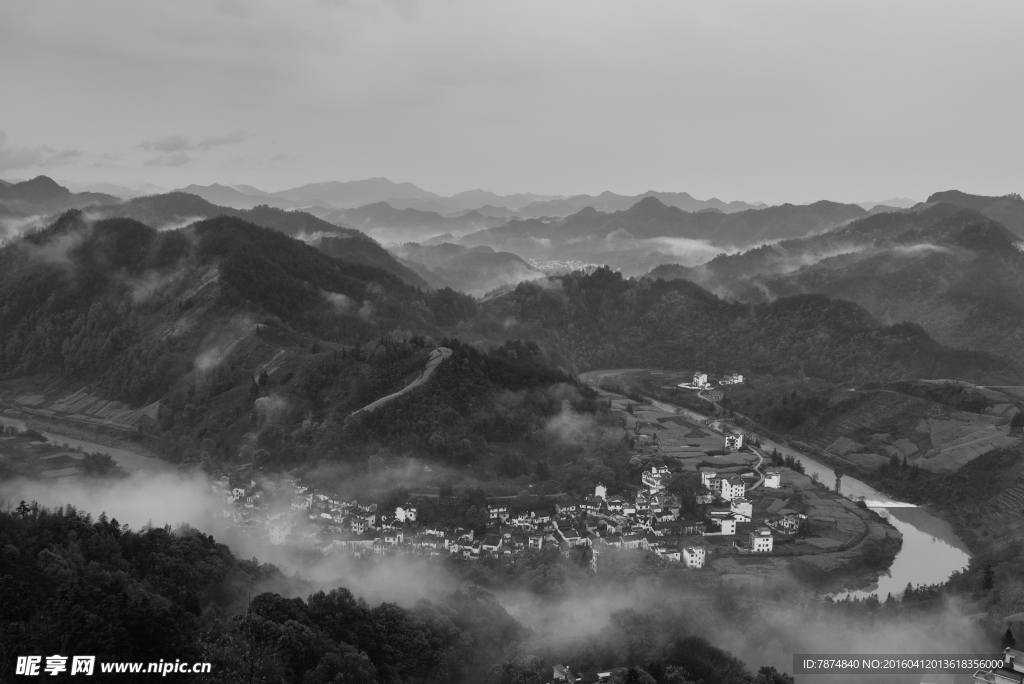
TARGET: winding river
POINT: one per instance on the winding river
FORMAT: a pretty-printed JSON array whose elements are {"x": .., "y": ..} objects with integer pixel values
[{"x": 931, "y": 551}]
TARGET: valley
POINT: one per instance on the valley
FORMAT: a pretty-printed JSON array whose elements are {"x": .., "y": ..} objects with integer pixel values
[{"x": 340, "y": 407}]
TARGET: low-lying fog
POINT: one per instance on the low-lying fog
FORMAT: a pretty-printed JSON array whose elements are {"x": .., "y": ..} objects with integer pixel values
[{"x": 762, "y": 623}]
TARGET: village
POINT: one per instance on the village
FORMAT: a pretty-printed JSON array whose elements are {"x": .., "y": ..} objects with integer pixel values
[{"x": 743, "y": 505}]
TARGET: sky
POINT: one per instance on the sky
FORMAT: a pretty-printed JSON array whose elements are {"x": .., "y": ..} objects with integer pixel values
[{"x": 756, "y": 101}]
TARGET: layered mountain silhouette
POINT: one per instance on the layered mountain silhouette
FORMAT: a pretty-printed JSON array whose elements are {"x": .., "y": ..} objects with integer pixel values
[
  {"x": 354, "y": 194},
  {"x": 383, "y": 220},
  {"x": 650, "y": 228},
  {"x": 179, "y": 208},
  {"x": 43, "y": 195},
  {"x": 475, "y": 270}
]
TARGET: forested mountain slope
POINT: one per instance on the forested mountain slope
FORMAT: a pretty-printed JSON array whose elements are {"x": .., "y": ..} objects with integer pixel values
[
  {"x": 116, "y": 300},
  {"x": 73, "y": 584},
  {"x": 605, "y": 321},
  {"x": 954, "y": 271},
  {"x": 1007, "y": 209},
  {"x": 177, "y": 209}
]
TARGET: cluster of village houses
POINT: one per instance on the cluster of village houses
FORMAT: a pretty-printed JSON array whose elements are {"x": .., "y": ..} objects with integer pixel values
[{"x": 650, "y": 520}]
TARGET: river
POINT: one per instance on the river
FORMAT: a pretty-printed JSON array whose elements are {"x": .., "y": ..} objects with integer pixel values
[
  {"x": 130, "y": 461},
  {"x": 931, "y": 551}
]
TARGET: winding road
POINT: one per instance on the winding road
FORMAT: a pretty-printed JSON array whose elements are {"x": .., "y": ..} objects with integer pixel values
[{"x": 436, "y": 357}]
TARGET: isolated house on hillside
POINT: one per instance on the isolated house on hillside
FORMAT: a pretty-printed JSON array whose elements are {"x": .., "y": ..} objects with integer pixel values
[{"x": 773, "y": 479}]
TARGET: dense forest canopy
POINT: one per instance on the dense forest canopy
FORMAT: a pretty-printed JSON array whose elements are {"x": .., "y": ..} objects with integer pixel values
[
  {"x": 71, "y": 584},
  {"x": 603, "y": 320}
]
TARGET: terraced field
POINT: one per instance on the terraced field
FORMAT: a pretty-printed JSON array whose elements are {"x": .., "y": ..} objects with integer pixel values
[
  {"x": 1012, "y": 500},
  {"x": 85, "y": 407},
  {"x": 928, "y": 435}
]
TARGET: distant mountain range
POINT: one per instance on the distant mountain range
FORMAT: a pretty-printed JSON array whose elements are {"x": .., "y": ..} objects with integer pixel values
[
  {"x": 353, "y": 194},
  {"x": 388, "y": 223},
  {"x": 894, "y": 203},
  {"x": 651, "y": 232},
  {"x": 44, "y": 195}
]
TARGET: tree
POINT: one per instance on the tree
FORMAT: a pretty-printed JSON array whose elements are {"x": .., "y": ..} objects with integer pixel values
[
  {"x": 988, "y": 578},
  {"x": 1008, "y": 641},
  {"x": 769, "y": 675},
  {"x": 635, "y": 675},
  {"x": 526, "y": 670},
  {"x": 350, "y": 666},
  {"x": 839, "y": 472},
  {"x": 22, "y": 509}
]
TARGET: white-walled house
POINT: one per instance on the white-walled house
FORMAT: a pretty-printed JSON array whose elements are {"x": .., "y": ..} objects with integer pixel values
[
  {"x": 497, "y": 512},
  {"x": 761, "y": 540},
  {"x": 726, "y": 528},
  {"x": 733, "y": 488},
  {"x": 600, "y": 490},
  {"x": 773, "y": 479},
  {"x": 742, "y": 509},
  {"x": 734, "y": 441},
  {"x": 693, "y": 556},
  {"x": 708, "y": 478},
  {"x": 700, "y": 380},
  {"x": 405, "y": 513},
  {"x": 654, "y": 479}
]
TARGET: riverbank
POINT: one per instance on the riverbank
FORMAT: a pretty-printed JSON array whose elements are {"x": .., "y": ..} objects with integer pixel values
[
  {"x": 129, "y": 455},
  {"x": 931, "y": 549}
]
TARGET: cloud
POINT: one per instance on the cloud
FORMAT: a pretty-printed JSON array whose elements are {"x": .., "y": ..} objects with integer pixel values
[
  {"x": 11, "y": 227},
  {"x": 218, "y": 140},
  {"x": 920, "y": 249},
  {"x": 170, "y": 143},
  {"x": 180, "y": 143},
  {"x": 173, "y": 159},
  {"x": 27, "y": 157},
  {"x": 175, "y": 148},
  {"x": 340, "y": 302}
]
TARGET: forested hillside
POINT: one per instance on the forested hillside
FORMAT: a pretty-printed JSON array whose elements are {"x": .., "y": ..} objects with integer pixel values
[
  {"x": 243, "y": 343},
  {"x": 132, "y": 309},
  {"x": 176, "y": 209},
  {"x": 605, "y": 321},
  {"x": 954, "y": 271},
  {"x": 74, "y": 584}
]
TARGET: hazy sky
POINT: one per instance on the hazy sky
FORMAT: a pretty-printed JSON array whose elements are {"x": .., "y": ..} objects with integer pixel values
[{"x": 769, "y": 100}]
